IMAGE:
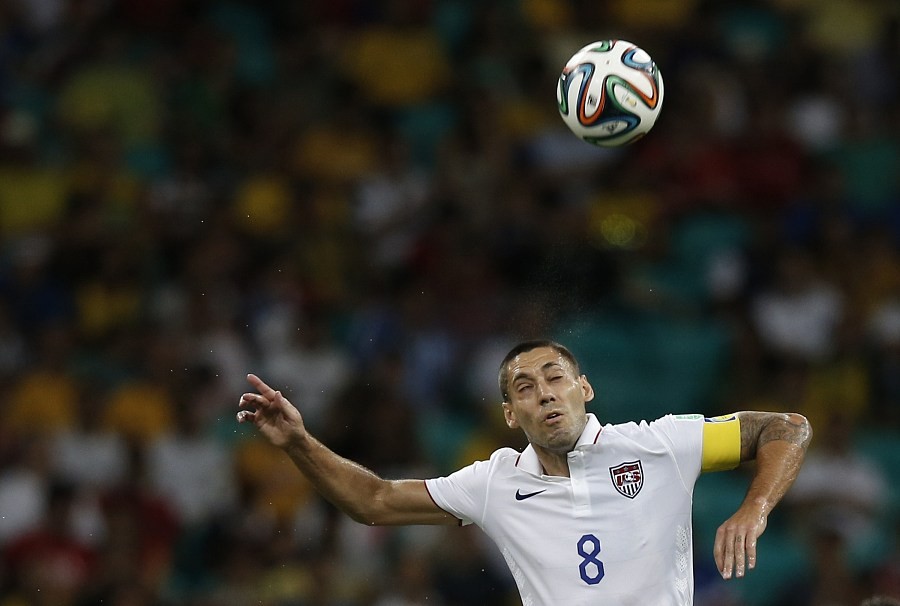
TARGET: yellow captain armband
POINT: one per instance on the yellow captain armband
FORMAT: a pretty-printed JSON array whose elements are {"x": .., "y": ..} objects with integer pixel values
[{"x": 721, "y": 443}]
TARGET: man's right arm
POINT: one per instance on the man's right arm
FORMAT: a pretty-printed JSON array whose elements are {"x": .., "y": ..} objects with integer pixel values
[{"x": 357, "y": 491}]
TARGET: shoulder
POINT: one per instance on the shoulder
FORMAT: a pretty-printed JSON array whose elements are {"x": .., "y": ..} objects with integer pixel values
[
  {"x": 663, "y": 431},
  {"x": 499, "y": 459},
  {"x": 501, "y": 456},
  {"x": 664, "y": 423},
  {"x": 475, "y": 477}
]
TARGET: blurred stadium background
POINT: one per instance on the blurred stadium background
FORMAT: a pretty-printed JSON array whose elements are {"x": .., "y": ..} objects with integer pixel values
[{"x": 367, "y": 203}]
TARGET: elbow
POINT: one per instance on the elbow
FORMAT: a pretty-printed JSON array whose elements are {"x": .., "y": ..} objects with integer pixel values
[
  {"x": 371, "y": 511},
  {"x": 362, "y": 517},
  {"x": 764, "y": 428},
  {"x": 363, "y": 513},
  {"x": 804, "y": 430}
]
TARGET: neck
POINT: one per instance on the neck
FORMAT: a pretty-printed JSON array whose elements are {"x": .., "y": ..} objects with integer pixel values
[
  {"x": 555, "y": 460},
  {"x": 553, "y": 463}
]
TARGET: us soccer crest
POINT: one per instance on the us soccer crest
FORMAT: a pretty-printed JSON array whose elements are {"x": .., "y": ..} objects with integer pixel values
[{"x": 628, "y": 478}]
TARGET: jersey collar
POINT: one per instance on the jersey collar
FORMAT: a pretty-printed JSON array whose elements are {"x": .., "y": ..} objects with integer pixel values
[{"x": 528, "y": 460}]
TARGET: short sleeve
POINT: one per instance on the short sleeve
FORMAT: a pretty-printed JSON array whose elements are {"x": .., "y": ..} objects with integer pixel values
[
  {"x": 462, "y": 493},
  {"x": 683, "y": 435}
]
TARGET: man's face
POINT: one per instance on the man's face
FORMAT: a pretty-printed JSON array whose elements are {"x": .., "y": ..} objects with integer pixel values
[{"x": 546, "y": 399}]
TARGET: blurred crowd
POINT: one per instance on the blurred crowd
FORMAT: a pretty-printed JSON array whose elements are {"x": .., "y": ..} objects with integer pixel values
[{"x": 367, "y": 204}]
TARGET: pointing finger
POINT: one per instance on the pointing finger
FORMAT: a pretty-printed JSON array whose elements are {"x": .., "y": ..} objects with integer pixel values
[{"x": 260, "y": 385}]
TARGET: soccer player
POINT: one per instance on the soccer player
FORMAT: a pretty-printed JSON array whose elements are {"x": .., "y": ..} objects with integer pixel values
[{"x": 586, "y": 513}]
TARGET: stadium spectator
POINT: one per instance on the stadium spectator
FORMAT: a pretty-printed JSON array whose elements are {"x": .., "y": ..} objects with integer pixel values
[{"x": 133, "y": 134}]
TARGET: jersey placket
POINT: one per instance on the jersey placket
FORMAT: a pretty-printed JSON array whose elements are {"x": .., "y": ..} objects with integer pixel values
[{"x": 581, "y": 494}]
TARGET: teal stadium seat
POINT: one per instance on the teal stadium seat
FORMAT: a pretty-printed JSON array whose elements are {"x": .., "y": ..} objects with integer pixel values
[
  {"x": 882, "y": 446},
  {"x": 691, "y": 357},
  {"x": 643, "y": 367},
  {"x": 612, "y": 355}
]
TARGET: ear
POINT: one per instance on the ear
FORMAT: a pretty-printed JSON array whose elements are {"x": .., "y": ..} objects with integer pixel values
[
  {"x": 586, "y": 388},
  {"x": 510, "y": 416}
]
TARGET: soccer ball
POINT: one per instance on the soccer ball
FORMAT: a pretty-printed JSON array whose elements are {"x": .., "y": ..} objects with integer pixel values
[{"x": 610, "y": 93}]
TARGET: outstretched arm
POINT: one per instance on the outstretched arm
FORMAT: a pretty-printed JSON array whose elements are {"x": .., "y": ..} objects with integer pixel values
[
  {"x": 778, "y": 442},
  {"x": 355, "y": 490}
]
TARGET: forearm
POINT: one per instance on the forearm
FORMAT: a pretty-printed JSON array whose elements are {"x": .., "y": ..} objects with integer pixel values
[
  {"x": 777, "y": 465},
  {"x": 778, "y": 443},
  {"x": 779, "y": 451},
  {"x": 349, "y": 486},
  {"x": 355, "y": 490}
]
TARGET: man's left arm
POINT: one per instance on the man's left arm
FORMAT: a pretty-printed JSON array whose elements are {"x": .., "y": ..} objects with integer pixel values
[{"x": 778, "y": 443}]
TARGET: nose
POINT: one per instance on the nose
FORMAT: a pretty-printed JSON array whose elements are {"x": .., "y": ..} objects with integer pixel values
[{"x": 545, "y": 393}]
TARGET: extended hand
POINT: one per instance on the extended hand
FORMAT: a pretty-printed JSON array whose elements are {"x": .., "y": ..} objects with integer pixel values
[
  {"x": 274, "y": 416},
  {"x": 735, "y": 545}
]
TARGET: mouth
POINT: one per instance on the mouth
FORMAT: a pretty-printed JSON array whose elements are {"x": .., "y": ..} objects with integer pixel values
[{"x": 553, "y": 417}]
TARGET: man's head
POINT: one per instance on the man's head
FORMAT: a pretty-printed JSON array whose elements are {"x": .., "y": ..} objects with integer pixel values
[
  {"x": 544, "y": 394},
  {"x": 524, "y": 347}
]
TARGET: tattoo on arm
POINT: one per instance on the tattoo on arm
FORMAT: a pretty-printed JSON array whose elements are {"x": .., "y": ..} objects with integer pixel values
[{"x": 758, "y": 428}]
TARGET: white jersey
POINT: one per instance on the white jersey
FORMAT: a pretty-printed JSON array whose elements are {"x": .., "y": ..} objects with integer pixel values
[{"x": 617, "y": 531}]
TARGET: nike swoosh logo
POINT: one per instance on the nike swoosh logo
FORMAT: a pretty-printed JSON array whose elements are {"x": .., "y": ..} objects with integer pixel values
[{"x": 528, "y": 495}]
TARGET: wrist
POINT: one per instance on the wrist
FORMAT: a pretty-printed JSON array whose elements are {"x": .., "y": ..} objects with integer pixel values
[
  {"x": 297, "y": 444},
  {"x": 761, "y": 505}
]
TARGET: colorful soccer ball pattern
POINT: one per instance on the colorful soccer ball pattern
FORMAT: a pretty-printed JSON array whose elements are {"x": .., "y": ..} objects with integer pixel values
[{"x": 610, "y": 93}]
